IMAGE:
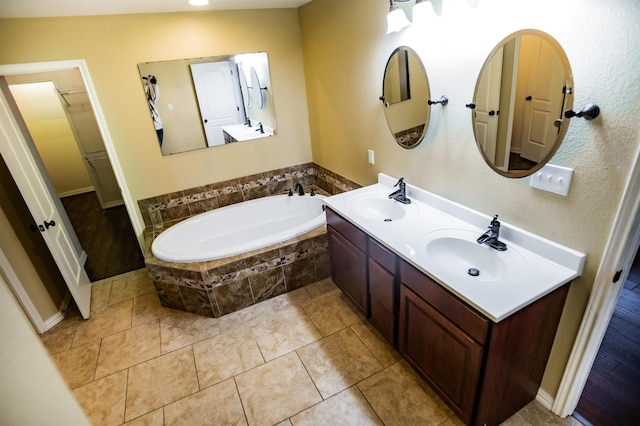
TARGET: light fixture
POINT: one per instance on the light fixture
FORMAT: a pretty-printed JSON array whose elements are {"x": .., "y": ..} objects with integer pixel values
[
  {"x": 198, "y": 2},
  {"x": 396, "y": 18},
  {"x": 421, "y": 11}
]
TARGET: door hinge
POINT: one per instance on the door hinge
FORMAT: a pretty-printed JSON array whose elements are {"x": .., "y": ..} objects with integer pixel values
[{"x": 617, "y": 276}]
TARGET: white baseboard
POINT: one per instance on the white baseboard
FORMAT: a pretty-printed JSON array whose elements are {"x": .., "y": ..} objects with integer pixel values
[
  {"x": 76, "y": 192},
  {"x": 50, "y": 322},
  {"x": 545, "y": 399},
  {"x": 60, "y": 315}
]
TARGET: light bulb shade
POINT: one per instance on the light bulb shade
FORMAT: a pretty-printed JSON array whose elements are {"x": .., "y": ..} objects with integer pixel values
[
  {"x": 396, "y": 19},
  {"x": 198, "y": 2},
  {"x": 422, "y": 12}
]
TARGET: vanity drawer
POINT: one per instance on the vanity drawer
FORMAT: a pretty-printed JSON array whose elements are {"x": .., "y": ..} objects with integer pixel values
[
  {"x": 382, "y": 256},
  {"x": 465, "y": 317},
  {"x": 381, "y": 285},
  {"x": 349, "y": 231},
  {"x": 383, "y": 320}
]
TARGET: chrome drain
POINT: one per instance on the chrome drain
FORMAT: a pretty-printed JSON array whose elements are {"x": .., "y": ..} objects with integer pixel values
[{"x": 473, "y": 272}]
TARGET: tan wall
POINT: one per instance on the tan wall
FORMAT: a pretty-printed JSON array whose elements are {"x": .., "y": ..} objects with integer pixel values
[
  {"x": 49, "y": 127},
  {"x": 33, "y": 391},
  {"x": 25, "y": 271},
  {"x": 346, "y": 49},
  {"x": 113, "y": 46}
]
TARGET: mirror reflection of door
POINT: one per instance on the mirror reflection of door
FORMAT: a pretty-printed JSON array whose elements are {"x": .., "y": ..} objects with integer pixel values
[
  {"x": 219, "y": 98},
  {"x": 396, "y": 81},
  {"x": 545, "y": 76},
  {"x": 488, "y": 105},
  {"x": 524, "y": 86}
]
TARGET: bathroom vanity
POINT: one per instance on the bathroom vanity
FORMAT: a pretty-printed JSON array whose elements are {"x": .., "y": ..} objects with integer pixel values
[{"x": 481, "y": 342}]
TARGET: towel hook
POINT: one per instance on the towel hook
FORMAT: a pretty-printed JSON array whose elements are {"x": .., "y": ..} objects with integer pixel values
[
  {"x": 443, "y": 101},
  {"x": 589, "y": 112}
]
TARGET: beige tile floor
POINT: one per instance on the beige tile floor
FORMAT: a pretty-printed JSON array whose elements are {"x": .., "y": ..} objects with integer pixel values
[{"x": 303, "y": 358}]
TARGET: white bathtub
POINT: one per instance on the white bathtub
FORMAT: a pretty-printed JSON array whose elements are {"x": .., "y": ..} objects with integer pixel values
[{"x": 239, "y": 228}]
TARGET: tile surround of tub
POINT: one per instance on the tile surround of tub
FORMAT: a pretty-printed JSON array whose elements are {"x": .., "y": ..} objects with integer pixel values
[
  {"x": 219, "y": 287},
  {"x": 162, "y": 211}
]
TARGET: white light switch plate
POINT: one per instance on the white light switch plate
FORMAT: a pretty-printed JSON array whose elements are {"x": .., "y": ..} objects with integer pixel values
[
  {"x": 553, "y": 179},
  {"x": 370, "y": 157}
]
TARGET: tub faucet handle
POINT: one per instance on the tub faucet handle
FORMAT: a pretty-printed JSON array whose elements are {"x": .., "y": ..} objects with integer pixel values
[{"x": 290, "y": 193}]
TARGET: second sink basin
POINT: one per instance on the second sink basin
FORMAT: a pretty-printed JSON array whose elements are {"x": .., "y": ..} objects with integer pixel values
[
  {"x": 456, "y": 251},
  {"x": 379, "y": 208}
]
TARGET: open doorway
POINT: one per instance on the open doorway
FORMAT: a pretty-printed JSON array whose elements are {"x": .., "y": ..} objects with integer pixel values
[
  {"x": 615, "y": 267},
  {"x": 58, "y": 115},
  {"x": 612, "y": 391}
]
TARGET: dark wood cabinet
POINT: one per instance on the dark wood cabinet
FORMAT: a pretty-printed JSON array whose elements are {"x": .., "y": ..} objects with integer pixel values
[
  {"x": 445, "y": 356},
  {"x": 347, "y": 252},
  {"x": 382, "y": 264},
  {"x": 484, "y": 371}
]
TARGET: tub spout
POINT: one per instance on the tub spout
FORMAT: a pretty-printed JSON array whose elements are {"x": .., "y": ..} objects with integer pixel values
[{"x": 299, "y": 188}]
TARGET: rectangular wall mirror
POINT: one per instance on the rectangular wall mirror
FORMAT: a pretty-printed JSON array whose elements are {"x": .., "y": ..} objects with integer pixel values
[{"x": 206, "y": 102}]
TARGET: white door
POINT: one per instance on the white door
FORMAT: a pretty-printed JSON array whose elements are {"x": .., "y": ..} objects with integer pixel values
[
  {"x": 217, "y": 98},
  {"x": 487, "y": 106},
  {"x": 546, "y": 91},
  {"x": 22, "y": 159}
]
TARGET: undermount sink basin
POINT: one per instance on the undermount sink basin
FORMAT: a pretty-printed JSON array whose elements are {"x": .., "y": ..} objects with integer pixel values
[
  {"x": 456, "y": 251},
  {"x": 379, "y": 208}
]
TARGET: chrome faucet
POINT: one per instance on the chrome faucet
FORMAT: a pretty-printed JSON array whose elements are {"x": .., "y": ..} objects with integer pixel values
[
  {"x": 491, "y": 237},
  {"x": 401, "y": 194},
  {"x": 299, "y": 188}
]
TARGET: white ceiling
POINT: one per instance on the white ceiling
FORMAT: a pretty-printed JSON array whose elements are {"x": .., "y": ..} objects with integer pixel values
[{"x": 44, "y": 8}]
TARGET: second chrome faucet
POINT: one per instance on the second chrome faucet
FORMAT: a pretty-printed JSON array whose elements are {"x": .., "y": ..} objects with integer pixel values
[{"x": 401, "y": 194}]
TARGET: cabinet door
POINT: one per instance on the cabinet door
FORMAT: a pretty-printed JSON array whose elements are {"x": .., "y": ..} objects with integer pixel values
[
  {"x": 348, "y": 269},
  {"x": 444, "y": 355},
  {"x": 381, "y": 290}
]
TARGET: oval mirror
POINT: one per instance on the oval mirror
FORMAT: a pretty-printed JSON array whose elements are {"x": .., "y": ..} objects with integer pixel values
[
  {"x": 405, "y": 92},
  {"x": 523, "y": 89}
]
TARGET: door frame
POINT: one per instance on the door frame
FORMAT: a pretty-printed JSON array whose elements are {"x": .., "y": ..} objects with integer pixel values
[
  {"x": 81, "y": 65},
  {"x": 618, "y": 254},
  {"x": 39, "y": 323}
]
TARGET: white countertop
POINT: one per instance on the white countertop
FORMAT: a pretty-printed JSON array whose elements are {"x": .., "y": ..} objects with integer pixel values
[
  {"x": 547, "y": 265},
  {"x": 241, "y": 133}
]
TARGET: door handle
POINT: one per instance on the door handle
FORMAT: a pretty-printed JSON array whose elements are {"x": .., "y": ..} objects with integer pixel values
[
  {"x": 42, "y": 228},
  {"x": 492, "y": 113},
  {"x": 206, "y": 121},
  {"x": 528, "y": 98},
  {"x": 34, "y": 228}
]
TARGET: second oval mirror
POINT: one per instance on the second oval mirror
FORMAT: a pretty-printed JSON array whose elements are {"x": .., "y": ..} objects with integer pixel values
[
  {"x": 405, "y": 92},
  {"x": 523, "y": 89}
]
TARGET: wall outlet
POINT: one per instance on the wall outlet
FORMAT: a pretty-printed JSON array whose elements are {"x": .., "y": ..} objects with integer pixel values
[
  {"x": 553, "y": 179},
  {"x": 370, "y": 155}
]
